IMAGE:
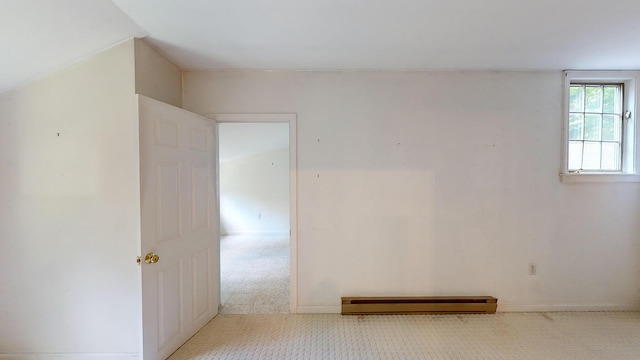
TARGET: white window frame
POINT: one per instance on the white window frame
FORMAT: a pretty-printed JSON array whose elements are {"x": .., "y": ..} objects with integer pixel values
[{"x": 630, "y": 132}]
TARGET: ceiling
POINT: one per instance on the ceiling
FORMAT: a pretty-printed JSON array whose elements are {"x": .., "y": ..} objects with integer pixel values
[
  {"x": 239, "y": 140},
  {"x": 38, "y": 37},
  {"x": 41, "y": 36}
]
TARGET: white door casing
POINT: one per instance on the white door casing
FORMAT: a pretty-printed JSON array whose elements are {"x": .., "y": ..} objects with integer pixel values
[
  {"x": 291, "y": 119},
  {"x": 180, "y": 293}
]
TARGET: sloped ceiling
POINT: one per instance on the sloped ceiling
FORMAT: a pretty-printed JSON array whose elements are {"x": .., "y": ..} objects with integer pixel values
[
  {"x": 38, "y": 37},
  {"x": 41, "y": 36},
  {"x": 238, "y": 140}
]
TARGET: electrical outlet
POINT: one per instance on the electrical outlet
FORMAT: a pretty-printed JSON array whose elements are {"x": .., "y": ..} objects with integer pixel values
[
  {"x": 532, "y": 269},
  {"x": 259, "y": 215}
]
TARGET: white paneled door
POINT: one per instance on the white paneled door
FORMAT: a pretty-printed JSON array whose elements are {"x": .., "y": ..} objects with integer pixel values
[{"x": 180, "y": 250}]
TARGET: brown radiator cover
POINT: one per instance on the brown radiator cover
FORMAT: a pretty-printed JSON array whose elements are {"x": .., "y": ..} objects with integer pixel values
[{"x": 419, "y": 305}]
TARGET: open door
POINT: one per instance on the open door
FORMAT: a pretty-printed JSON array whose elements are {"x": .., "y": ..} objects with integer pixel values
[{"x": 180, "y": 251}]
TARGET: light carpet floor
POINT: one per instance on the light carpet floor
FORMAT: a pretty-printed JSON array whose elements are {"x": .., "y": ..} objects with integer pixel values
[
  {"x": 577, "y": 335},
  {"x": 254, "y": 275}
]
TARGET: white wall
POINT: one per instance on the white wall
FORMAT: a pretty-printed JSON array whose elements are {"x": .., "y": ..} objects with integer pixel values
[
  {"x": 156, "y": 77},
  {"x": 69, "y": 220},
  {"x": 254, "y": 194},
  {"x": 440, "y": 184}
]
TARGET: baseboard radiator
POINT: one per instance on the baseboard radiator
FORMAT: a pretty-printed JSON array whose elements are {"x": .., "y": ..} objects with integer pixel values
[{"x": 419, "y": 305}]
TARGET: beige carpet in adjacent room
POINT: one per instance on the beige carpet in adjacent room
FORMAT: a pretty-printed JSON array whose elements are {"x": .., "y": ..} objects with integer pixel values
[{"x": 254, "y": 275}]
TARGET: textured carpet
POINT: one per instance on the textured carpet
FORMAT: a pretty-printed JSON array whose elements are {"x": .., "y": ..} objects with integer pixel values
[
  {"x": 577, "y": 335},
  {"x": 254, "y": 275}
]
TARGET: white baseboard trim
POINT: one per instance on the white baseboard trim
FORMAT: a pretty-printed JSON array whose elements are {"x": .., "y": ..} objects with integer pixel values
[
  {"x": 559, "y": 308},
  {"x": 246, "y": 233},
  {"x": 319, "y": 309},
  {"x": 70, "y": 356}
]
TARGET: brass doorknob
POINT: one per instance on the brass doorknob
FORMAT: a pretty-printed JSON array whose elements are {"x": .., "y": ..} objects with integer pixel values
[{"x": 151, "y": 258}]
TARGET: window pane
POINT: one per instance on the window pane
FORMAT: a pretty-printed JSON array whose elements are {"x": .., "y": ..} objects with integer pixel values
[
  {"x": 595, "y": 127},
  {"x": 611, "y": 100},
  {"x": 610, "y": 156},
  {"x": 593, "y": 98},
  {"x": 575, "y": 126},
  {"x": 611, "y": 128},
  {"x": 576, "y": 98},
  {"x": 591, "y": 156},
  {"x": 592, "y": 126},
  {"x": 575, "y": 155}
]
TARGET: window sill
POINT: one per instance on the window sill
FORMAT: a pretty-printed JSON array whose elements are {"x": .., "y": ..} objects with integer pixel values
[{"x": 601, "y": 178}]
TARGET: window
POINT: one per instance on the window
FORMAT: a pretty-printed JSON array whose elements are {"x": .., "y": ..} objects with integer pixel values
[
  {"x": 595, "y": 127},
  {"x": 599, "y": 131}
]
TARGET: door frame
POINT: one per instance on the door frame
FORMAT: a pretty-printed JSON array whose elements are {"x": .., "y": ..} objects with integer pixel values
[{"x": 291, "y": 119}]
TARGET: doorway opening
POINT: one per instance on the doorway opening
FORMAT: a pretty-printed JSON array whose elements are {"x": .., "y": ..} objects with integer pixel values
[{"x": 255, "y": 186}]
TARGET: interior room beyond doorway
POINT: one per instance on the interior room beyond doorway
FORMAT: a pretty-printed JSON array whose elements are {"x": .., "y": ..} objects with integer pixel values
[{"x": 254, "y": 218}]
